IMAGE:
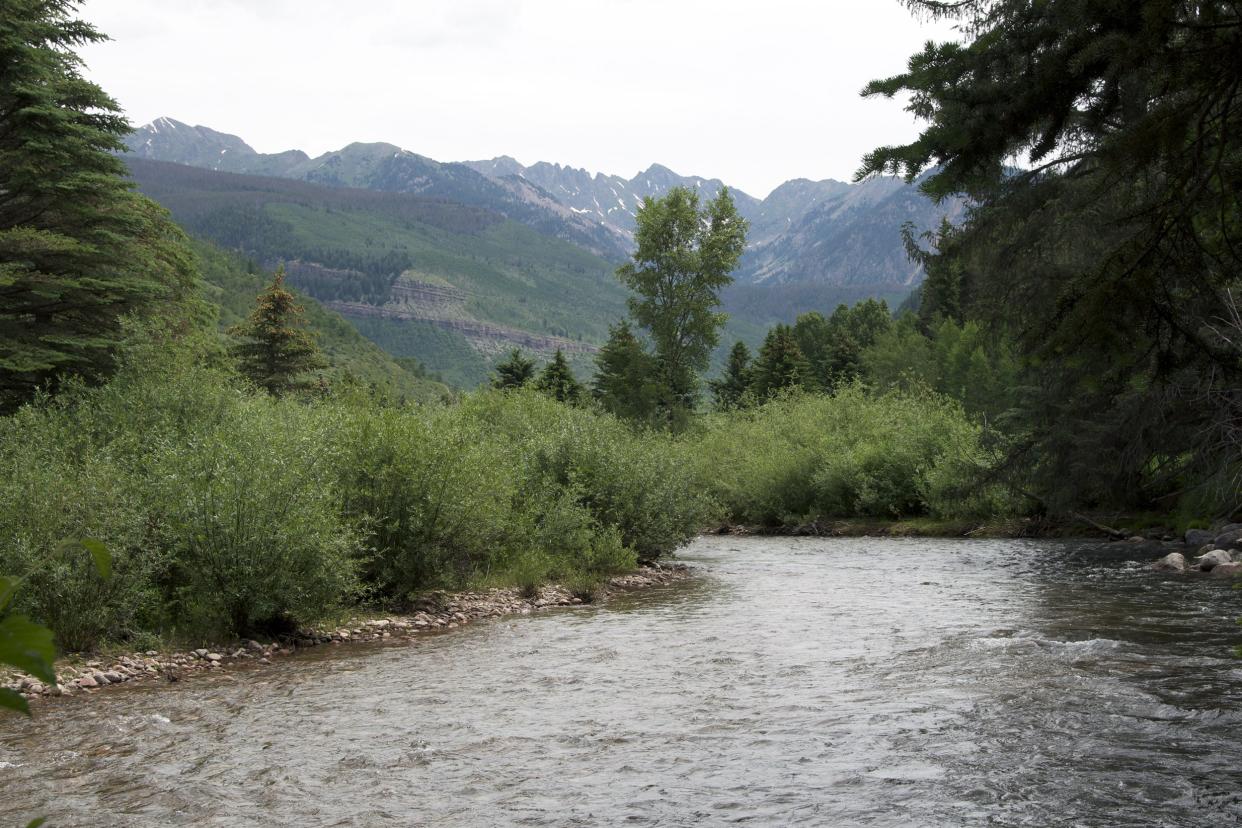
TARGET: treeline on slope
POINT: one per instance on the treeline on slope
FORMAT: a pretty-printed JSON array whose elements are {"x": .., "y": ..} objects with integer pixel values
[
  {"x": 866, "y": 344},
  {"x": 333, "y": 273},
  {"x": 230, "y": 283},
  {"x": 347, "y": 245}
]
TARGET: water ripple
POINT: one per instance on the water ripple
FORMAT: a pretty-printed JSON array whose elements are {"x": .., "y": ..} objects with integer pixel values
[{"x": 798, "y": 682}]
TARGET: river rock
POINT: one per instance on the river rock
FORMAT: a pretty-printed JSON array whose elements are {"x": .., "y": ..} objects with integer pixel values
[
  {"x": 200, "y": 652},
  {"x": 87, "y": 681},
  {"x": 1213, "y": 559},
  {"x": 1172, "y": 562},
  {"x": 1198, "y": 537},
  {"x": 214, "y": 657},
  {"x": 1225, "y": 540},
  {"x": 1227, "y": 570}
]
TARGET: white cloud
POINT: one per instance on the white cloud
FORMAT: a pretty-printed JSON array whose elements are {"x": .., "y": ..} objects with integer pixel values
[{"x": 751, "y": 93}]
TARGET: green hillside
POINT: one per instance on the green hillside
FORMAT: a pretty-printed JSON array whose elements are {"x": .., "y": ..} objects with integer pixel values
[
  {"x": 451, "y": 285},
  {"x": 231, "y": 283}
]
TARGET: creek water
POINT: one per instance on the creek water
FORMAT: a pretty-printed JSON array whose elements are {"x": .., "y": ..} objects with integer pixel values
[{"x": 793, "y": 682}]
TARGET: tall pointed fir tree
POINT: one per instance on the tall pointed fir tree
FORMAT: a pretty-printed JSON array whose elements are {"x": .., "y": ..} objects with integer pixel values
[
  {"x": 730, "y": 390},
  {"x": 274, "y": 349},
  {"x": 625, "y": 383},
  {"x": 780, "y": 365},
  {"x": 558, "y": 381},
  {"x": 79, "y": 249},
  {"x": 514, "y": 372}
]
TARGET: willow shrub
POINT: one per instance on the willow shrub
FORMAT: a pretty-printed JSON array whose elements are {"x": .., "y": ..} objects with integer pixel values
[
  {"x": 853, "y": 454},
  {"x": 229, "y": 511},
  {"x": 637, "y": 482},
  {"x": 219, "y": 507},
  {"x": 54, "y": 489},
  {"x": 509, "y": 487}
]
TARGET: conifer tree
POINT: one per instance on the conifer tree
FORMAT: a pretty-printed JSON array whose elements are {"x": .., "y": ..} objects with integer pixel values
[
  {"x": 781, "y": 364},
  {"x": 558, "y": 381},
  {"x": 730, "y": 390},
  {"x": 275, "y": 350},
  {"x": 78, "y": 248},
  {"x": 1110, "y": 253},
  {"x": 515, "y": 372},
  {"x": 625, "y": 382},
  {"x": 834, "y": 346}
]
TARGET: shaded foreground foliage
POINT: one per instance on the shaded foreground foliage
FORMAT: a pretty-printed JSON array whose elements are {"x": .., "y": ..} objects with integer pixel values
[{"x": 1111, "y": 260}]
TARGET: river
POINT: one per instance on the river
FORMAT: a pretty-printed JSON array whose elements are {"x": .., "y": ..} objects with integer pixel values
[{"x": 794, "y": 682}]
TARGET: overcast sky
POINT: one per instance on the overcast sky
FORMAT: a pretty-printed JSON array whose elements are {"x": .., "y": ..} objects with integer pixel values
[{"x": 753, "y": 93}]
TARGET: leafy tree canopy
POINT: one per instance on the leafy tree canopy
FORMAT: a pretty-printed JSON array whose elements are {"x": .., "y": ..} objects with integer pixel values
[{"x": 684, "y": 257}]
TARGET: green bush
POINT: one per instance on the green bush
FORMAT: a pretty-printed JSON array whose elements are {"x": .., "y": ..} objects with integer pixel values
[
  {"x": 637, "y": 482},
  {"x": 434, "y": 493},
  {"x": 219, "y": 507},
  {"x": 249, "y": 511},
  {"x": 53, "y": 489},
  {"x": 900, "y": 454},
  {"x": 508, "y": 487}
]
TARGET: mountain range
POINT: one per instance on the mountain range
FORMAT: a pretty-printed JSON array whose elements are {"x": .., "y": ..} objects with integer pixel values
[
  {"x": 827, "y": 234},
  {"x": 452, "y": 264}
]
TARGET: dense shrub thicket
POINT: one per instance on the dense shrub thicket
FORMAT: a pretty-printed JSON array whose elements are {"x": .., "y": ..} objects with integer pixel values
[
  {"x": 852, "y": 454},
  {"x": 227, "y": 511}
]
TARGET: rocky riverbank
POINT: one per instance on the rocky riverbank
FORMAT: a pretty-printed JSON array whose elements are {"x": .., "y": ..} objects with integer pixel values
[
  {"x": 1216, "y": 552},
  {"x": 81, "y": 675}
]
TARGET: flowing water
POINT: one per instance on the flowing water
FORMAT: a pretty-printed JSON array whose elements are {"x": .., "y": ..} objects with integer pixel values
[{"x": 795, "y": 682}]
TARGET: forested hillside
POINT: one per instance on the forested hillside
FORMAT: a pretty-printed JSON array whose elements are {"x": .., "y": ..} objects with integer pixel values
[
  {"x": 812, "y": 244},
  {"x": 231, "y": 282},
  {"x": 448, "y": 284}
]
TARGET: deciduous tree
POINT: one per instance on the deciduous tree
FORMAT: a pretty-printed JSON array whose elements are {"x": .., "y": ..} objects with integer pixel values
[{"x": 684, "y": 257}]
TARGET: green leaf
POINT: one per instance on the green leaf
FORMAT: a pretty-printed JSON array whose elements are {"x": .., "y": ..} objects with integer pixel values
[
  {"x": 35, "y": 823},
  {"x": 13, "y": 700},
  {"x": 103, "y": 558},
  {"x": 8, "y": 587},
  {"x": 28, "y": 647}
]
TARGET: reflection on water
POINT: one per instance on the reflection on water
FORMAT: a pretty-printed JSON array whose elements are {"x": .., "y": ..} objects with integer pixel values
[{"x": 798, "y": 682}]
